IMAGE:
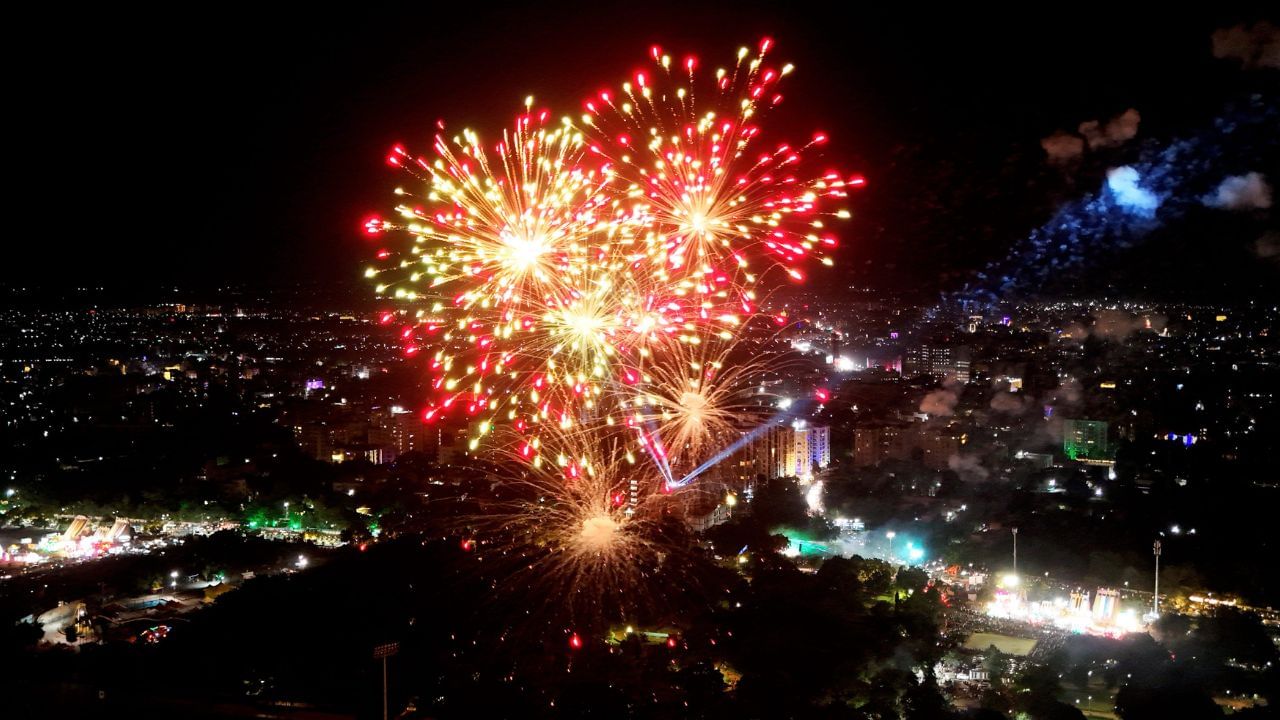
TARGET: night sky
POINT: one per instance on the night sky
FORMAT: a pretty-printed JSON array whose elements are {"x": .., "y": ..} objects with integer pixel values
[{"x": 246, "y": 147}]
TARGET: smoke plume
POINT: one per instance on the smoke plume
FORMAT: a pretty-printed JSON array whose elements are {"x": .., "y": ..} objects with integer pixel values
[
  {"x": 1255, "y": 46},
  {"x": 940, "y": 403},
  {"x": 1114, "y": 132},
  {"x": 968, "y": 467},
  {"x": 1007, "y": 402},
  {"x": 1242, "y": 192},
  {"x": 1062, "y": 147},
  {"x": 1267, "y": 247}
]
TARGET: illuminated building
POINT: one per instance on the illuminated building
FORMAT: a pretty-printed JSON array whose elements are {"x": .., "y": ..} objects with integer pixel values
[
  {"x": 794, "y": 450},
  {"x": 406, "y": 432},
  {"x": 1103, "y": 617},
  {"x": 1106, "y": 603},
  {"x": 874, "y": 445},
  {"x": 1085, "y": 440},
  {"x": 819, "y": 446},
  {"x": 944, "y": 363}
]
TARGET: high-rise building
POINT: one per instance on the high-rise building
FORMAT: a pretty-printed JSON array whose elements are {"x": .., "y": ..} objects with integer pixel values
[
  {"x": 785, "y": 450},
  {"x": 819, "y": 446},
  {"x": 1085, "y": 440},
  {"x": 409, "y": 433},
  {"x": 944, "y": 363},
  {"x": 876, "y": 444}
]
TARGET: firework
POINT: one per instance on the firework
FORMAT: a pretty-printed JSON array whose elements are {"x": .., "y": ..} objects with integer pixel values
[
  {"x": 581, "y": 293},
  {"x": 683, "y": 145},
  {"x": 699, "y": 395},
  {"x": 512, "y": 275},
  {"x": 592, "y": 276},
  {"x": 592, "y": 527}
]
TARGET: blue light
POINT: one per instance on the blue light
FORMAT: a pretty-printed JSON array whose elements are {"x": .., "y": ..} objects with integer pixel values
[
  {"x": 779, "y": 417},
  {"x": 1123, "y": 184},
  {"x": 1168, "y": 175}
]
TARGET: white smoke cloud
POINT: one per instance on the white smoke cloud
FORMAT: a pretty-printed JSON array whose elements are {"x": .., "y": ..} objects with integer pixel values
[
  {"x": 1255, "y": 46},
  {"x": 939, "y": 403},
  {"x": 1007, "y": 402},
  {"x": 1267, "y": 247},
  {"x": 1114, "y": 325},
  {"x": 1242, "y": 192},
  {"x": 968, "y": 467},
  {"x": 1123, "y": 183},
  {"x": 1062, "y": 147},
  {"x": 1074, "y": 331},
  {"x": 1116, "y": 131}
]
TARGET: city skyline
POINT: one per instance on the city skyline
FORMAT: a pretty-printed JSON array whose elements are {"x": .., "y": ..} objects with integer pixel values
[{"x": 701, "y": 361}]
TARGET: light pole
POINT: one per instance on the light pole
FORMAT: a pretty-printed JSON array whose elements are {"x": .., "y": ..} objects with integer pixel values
[
  {"x": 1155, "y": 599},
  {"x": 1015, "y": 551},
  {"x": 382, "y": 652},
  {"x": 286, "y": 514},
  {"x": 891, "y": 535}
]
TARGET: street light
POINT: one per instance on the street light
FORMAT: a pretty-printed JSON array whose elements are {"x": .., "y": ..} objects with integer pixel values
[
  {"x": 891, "y": 535},
  {"x": 286, "y": 514},
  {"x": 1155, "y": 599}
]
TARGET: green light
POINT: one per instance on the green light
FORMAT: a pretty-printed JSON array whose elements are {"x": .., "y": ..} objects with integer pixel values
[
  {"x": 800, "y": 544},
  {"x": 1085, "y": 439}
]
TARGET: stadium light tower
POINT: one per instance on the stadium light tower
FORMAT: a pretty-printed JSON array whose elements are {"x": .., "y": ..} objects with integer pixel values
[
  {"x": 1015, "y": 551},
  {"x": 1155, "y": 596}
]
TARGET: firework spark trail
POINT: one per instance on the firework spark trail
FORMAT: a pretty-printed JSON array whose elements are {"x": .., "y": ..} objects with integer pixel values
[
  {"x": 542, "y": 298},
  {"x": 745, "y": 438},
  {"x": 700, "y": 396},
  {"x": 712, "y": 209},
  {"x": 582, "y": 294},
  {"x": 1160, "y": 185},
  {"x": 591, "y": 528},
  {"x": 560, "y": 276}
]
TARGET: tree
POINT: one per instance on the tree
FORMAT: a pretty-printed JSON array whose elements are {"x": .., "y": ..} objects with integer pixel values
[
  {"x": 20, "y": 635},
  {"x": 994, "y": 700},
  {"x": 925, "y": 702},
  {"x": 1170, "y": 699},
  {"x": 876, "y": 576},
  {"x": 1230, "y": 635},
  {"x": 1053, "y": 710},
  {"x": 996, "y": 664},
  {"x": 840, "y": 576},
  {"x": 778, "y": 503},
  {"x": 702, "y": 683},
  {"x": 913, "y": 579},
  {"x": 1037, "y": 688}
]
